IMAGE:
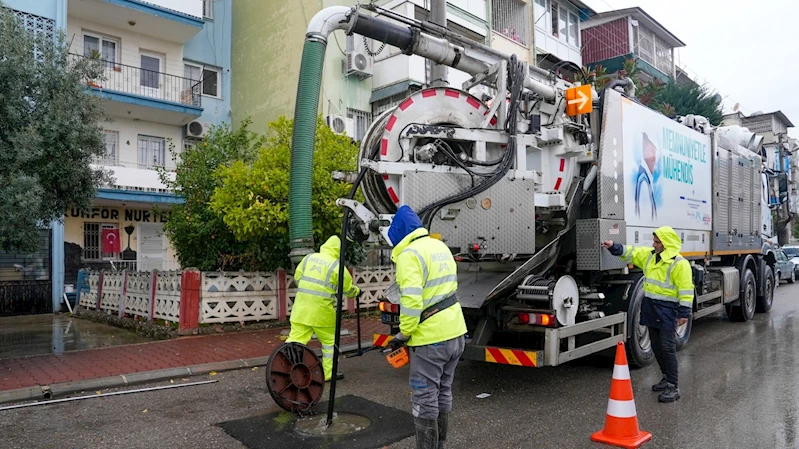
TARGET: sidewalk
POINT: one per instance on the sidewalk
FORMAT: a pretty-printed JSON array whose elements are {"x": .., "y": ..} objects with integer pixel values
[{"x": 33, "y": 377}]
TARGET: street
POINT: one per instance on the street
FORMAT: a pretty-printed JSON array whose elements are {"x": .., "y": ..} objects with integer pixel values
[{"x": 738, "y": 382}]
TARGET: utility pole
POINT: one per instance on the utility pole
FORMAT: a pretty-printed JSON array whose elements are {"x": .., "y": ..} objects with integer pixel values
[{"x": 438, "y": 15}]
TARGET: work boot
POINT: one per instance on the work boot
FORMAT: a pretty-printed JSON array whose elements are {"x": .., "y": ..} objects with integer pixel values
[
  {"x": 670, "y": 394},
  {"x": 426, "y": 433},
  {"x": 443, "y": 425},
  {"x": 660, "y": 386}
]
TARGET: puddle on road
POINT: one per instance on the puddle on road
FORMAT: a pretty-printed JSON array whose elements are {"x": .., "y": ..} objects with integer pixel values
[
  {"x": 343, "y": 424},
  {"x": 56, "y": 334}
]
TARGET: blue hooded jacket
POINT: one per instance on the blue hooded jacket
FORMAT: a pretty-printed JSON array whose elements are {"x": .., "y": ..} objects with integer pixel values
[{"x": 405, "y": 222}]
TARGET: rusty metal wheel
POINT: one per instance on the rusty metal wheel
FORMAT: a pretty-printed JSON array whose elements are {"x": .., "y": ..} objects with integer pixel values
[{"x": 295, "y": 378}]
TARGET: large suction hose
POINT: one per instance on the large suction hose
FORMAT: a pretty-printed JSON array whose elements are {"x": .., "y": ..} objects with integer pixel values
[{"x": 302, "y": 149}]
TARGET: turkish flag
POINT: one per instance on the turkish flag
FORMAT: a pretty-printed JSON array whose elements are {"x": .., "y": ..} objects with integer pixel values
[{"x": 111, "y": 240}]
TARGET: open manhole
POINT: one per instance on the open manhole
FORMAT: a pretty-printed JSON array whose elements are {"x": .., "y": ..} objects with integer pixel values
[{"x": 344, "y": 423}]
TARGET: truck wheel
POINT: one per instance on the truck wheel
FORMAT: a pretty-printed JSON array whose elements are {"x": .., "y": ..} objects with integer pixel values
[
  {"x": 639, "y": 344},
  {"x": 764, "y": 302},
  {"x": 684, "y": 333},
  {"x": 746, "y": 310}
]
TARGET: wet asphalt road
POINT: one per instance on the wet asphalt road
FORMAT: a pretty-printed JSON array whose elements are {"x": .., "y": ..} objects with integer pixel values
[{"x": 738, "y": 381}]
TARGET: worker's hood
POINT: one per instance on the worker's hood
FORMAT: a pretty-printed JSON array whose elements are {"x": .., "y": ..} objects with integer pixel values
[
  {"x": 671, "y": 242},
  {"x": 332, "y": 247},
  {"x": 405, "y": 222}
]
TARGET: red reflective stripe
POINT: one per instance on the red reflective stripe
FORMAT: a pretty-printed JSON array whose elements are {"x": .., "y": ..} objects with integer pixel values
[
  {"x": 621, "y": 390},
  {"x": 493, "y": 121},
  {"x": 497, "y": 354},
  {"x": 452, "y": 93},
  {"x": 428, "y": 93},
  {"x": 384, "y": 147},
  {"x": 393, "y": 195},
  {"x": 405, "y": 104},
  {"x": 557, "y": 183},
  {"x": 475, "y": 104},
  {"x": 393, "y": 120},
  {"x": 523, "y": 359},
  {"x": 385, "y": 177},
  {"x": 562, "y": 164}
]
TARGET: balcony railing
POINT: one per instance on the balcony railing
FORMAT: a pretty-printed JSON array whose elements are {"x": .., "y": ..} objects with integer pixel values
[
  {"x": 110, "y": 162},
  {"x": 147, "y": 83}
]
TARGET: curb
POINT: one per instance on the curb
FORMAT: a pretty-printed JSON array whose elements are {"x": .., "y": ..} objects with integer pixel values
[{"x": 45, "y": 392}]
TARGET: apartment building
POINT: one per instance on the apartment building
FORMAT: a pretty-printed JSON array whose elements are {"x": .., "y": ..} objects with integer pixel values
[
  {"x": 611, "y": 37},
  {"x": 166, "y": 80},
  {"x": 269, "y": 35}
]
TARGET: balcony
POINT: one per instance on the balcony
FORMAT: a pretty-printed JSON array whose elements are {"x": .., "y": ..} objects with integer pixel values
[
  {"x": 137, "y": 93},
  {"x": 169, "y": 20}
]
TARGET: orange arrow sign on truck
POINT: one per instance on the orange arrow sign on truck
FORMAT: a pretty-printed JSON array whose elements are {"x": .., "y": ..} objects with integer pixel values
[{"x": 578, "y": 100}]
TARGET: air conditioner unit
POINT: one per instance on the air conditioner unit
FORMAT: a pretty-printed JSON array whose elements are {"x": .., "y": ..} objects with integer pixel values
[
  {"x": 341, "y": 125},
  {"x": 359, "y": 62},
  {"x": 197, "y": 130}
]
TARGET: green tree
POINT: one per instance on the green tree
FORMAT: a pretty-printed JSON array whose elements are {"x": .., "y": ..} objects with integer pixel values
[
  {"x": 49, "y": 133},
  {"x": 684, "y": 99},
  {"x": 252, "y": 198},
  {"x": 199, "y": 235}
]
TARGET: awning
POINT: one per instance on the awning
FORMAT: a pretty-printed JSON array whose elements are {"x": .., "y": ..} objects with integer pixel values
[{"x": 394, "y": 89}]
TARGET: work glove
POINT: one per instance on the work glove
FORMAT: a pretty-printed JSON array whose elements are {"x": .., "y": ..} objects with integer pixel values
[{"x": 398, "y": 341}]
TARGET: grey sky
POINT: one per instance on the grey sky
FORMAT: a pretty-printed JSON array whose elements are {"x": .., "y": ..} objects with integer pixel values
[{"x": 745, "y": 50}]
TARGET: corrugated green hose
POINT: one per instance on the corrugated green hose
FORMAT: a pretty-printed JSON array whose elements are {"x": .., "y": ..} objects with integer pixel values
[{"x": 302, "y": 149}]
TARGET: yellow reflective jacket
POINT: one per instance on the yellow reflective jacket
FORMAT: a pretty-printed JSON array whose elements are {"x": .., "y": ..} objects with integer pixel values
[
  {"x": 317, "y": 281},
  {"x": 668, "y": 279},
  {"x": 426, "y": 274}
]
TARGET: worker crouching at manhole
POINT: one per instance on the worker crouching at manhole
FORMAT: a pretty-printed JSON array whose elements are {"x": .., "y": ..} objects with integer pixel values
[
  {"x": 668, "y": 294},
  {"x": 431, "y": 323},
  {"x": 314, "y": 309}
]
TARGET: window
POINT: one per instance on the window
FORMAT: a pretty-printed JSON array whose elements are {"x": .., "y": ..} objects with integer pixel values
[
  {"x": 208, "y": 9},
  {"x": 92, "y": 241},
  {"x": 362, "y": 121},
  {"x": 540, "y": 10},
  {"x": 554, "y": 13},
  {"x": 152, "y": 151},
  {"x": 103, "y": 47},
  {"x": 573, "y": 30},
  {"x": 111, "y": 147},
  {"x": 150, "y": 68},
  {"x": 563, "y": 24},
  {"x": 211, "y": 82},
  {"x": 208, "y": 76},
  {"x": 189, "y": 144},
  {"x": 508, "y": 19}
]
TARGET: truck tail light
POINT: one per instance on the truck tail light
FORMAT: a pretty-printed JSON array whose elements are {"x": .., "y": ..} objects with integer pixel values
[
  {"x": 388, "y": 307},
  {"x": 538, "y": 319}
]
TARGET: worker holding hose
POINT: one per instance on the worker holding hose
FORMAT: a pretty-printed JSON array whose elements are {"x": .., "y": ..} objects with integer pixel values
[
  {"x": 314, "y": 309},
  {"x": 668, "y": 294},
  {"x": 431, "y": 323}
]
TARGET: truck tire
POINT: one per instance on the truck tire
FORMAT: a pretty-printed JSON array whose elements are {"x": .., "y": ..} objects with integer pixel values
[
  {"x": 684, "y": 333},
  {"x": 639, "y": 344},
  {"x": 764, "y": 302},
  {"x": 746, "y": 309}
]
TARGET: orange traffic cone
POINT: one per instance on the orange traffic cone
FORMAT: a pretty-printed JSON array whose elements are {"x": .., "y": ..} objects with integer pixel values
[{"x": 621, "y": 422}]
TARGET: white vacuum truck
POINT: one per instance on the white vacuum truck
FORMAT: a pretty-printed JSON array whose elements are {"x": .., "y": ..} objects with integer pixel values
[{"x": 525, "y": 187}]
